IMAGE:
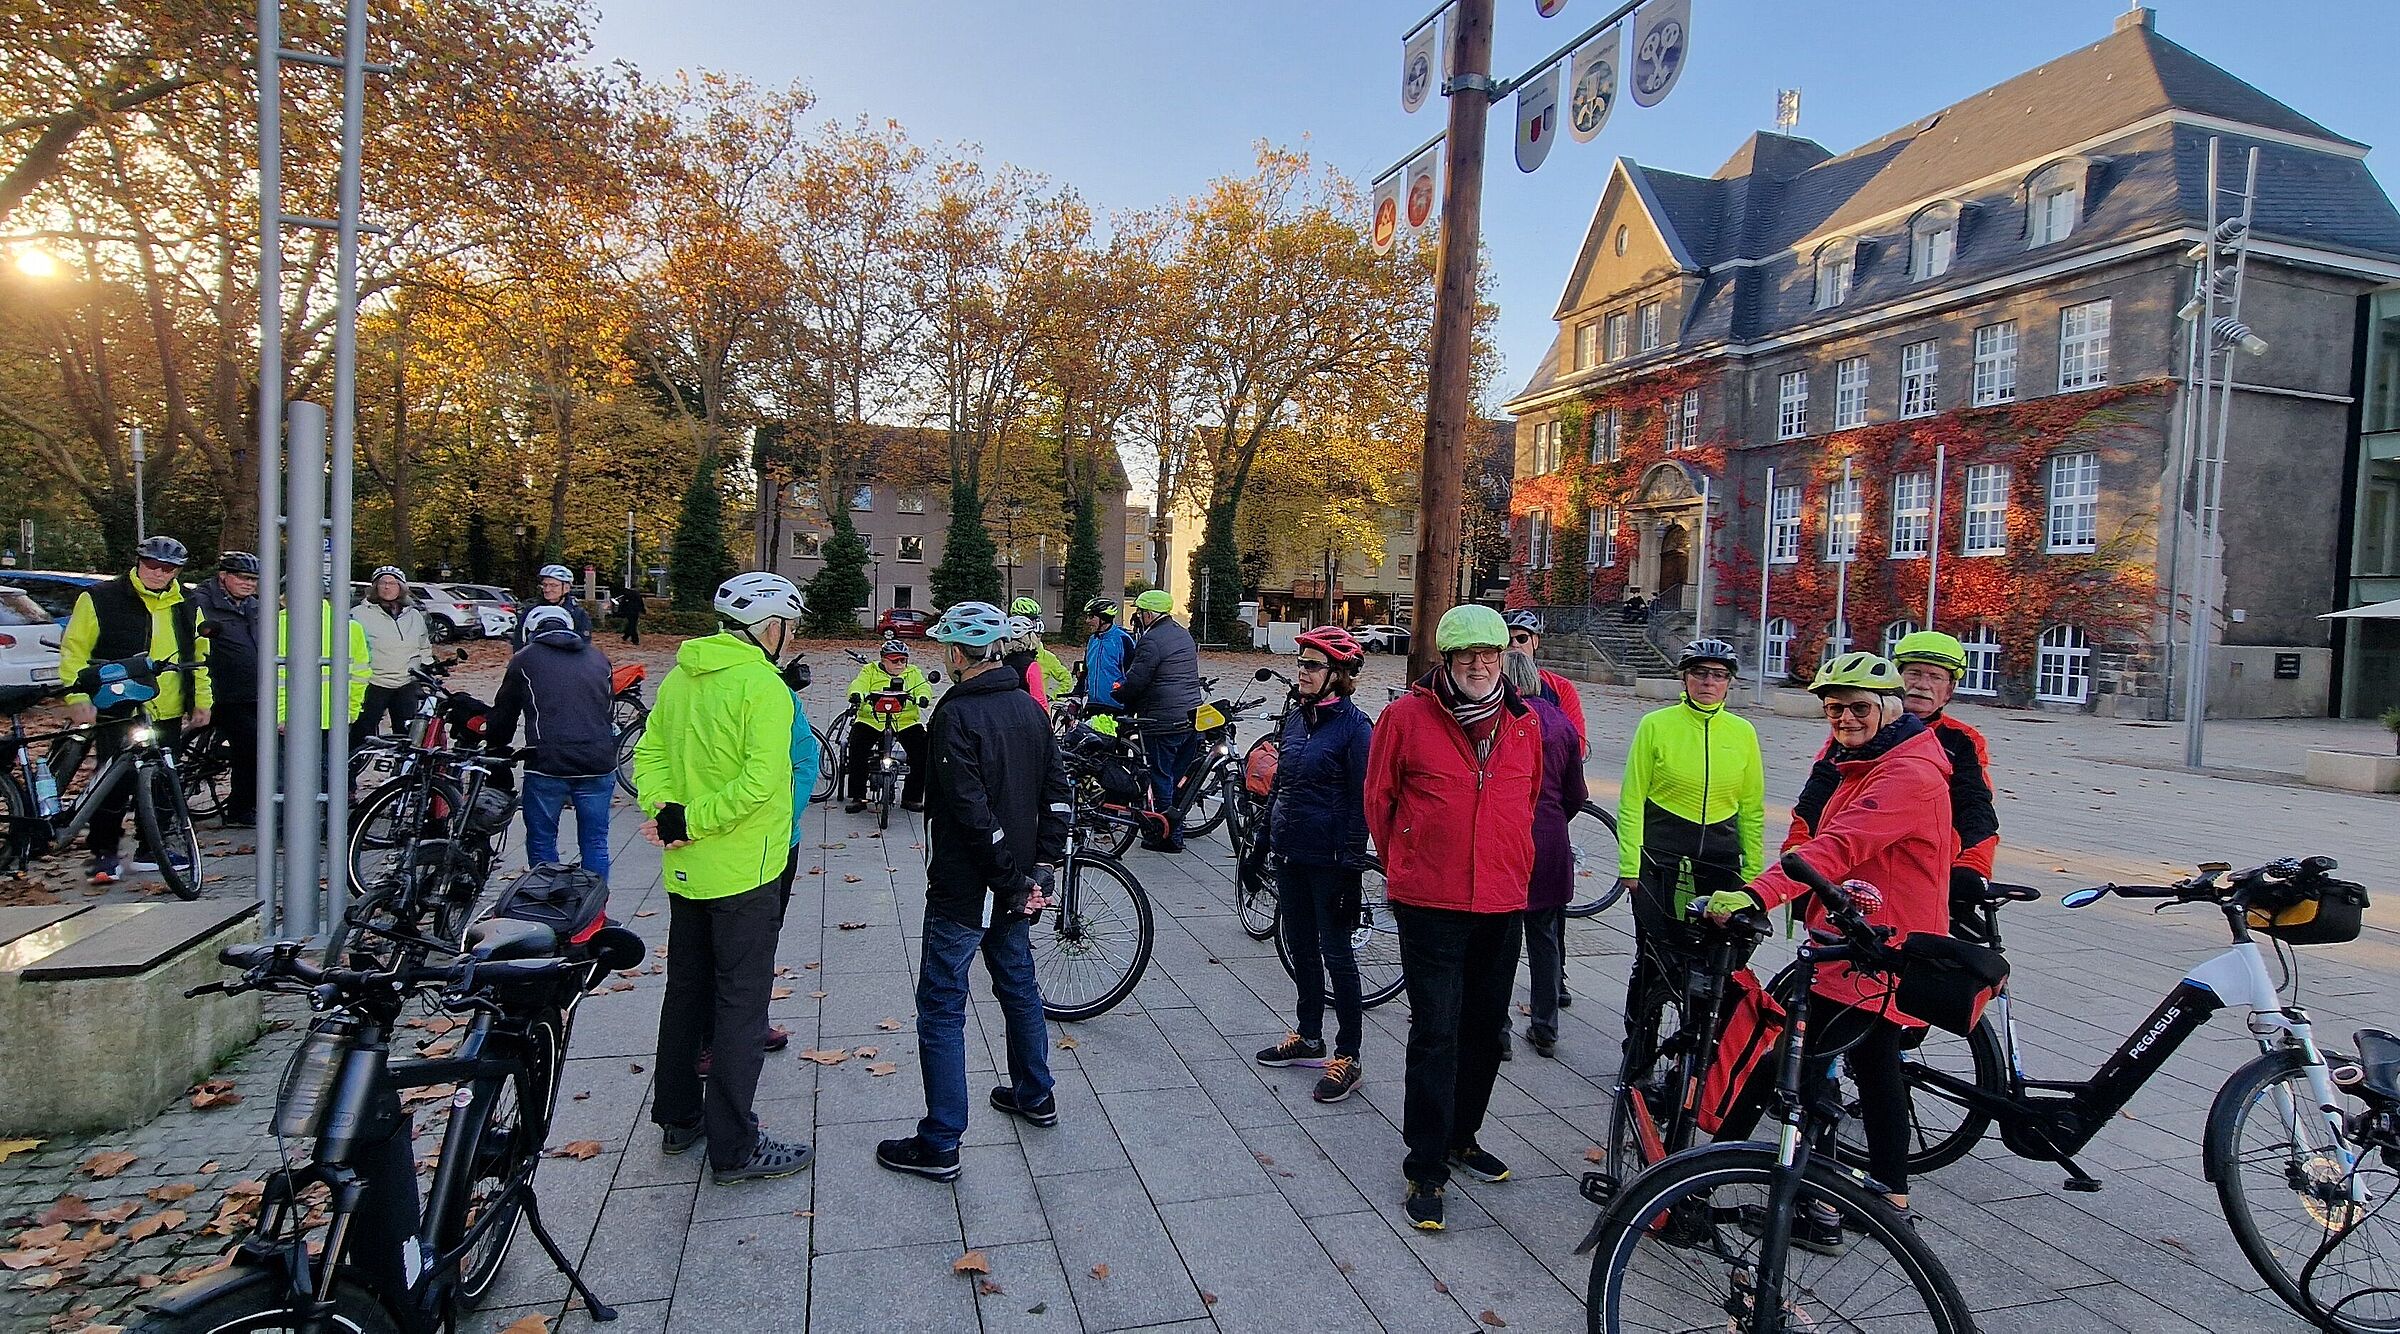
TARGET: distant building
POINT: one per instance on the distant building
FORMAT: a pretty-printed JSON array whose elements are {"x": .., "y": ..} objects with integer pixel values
[{"x": 2368, "y": 651}]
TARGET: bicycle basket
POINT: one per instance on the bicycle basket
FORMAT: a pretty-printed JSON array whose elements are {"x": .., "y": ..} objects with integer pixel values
[
  {"x": 1258, "y": 768},
  {"x": 1946, "y": 982},
  {"x": 494, "y": 808},
  {"x": 2310, "y": 912},
  {"x": 568, "y": 899}
]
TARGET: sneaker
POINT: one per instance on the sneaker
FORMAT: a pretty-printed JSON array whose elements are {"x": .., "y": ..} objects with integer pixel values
[
  {"x": 145, "y": 861},
  {"x": 1294, "y": 1050},
  {"x": 1542, "y": 1046},
  {"x": 777, "y": 1038},
  {"x": 853, "y": 808},
  {"x": 1508, "y": 1047},
  {"x": 1339, "y": 1081},
  {"x": 1816, "y": 1228},
  {"x": 917, "y": 1158},
  {"x": 1424, "y": 1207},
  {"x": 1480, "y": 1165},
  {"x": 769, "y": 1158},
  {"x": 680, "y": 1139},
  {"x": 1043, "y": 1113},
  {"x": 106, "y": 870}
]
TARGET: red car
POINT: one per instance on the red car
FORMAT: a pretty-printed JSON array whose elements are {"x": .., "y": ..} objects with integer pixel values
[{"x": 904, "y": 623}]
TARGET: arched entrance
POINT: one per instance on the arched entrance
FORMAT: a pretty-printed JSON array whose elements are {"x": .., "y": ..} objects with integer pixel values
[
  {"x": 1674, "y": 560},
  {"x": 1665, "y": 510}
]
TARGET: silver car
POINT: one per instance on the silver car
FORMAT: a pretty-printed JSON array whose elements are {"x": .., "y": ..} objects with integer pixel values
[
  {"x": 28, "y": 641},
  {"x": 494, "y": 607}
]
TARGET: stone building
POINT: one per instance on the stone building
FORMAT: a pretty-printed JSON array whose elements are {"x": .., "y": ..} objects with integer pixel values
[{"x": 1958, "y": 347}]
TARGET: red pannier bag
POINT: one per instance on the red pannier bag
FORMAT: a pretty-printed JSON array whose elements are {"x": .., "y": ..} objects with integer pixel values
[
  {"x": 1258, "y": 770},
  {"x": 1753, "y": 1024}
]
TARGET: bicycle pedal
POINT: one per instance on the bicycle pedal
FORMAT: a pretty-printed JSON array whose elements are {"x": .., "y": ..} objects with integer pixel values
[{"x": 1599, "y": 1188}]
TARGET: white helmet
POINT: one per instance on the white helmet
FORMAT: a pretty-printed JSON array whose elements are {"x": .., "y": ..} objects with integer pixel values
[
  {"x": 559, "y": 572},
  {"x": 1021, "y": 629},
  {"x": 748, "y": 599},
  {"x": 546, "y": 618}
]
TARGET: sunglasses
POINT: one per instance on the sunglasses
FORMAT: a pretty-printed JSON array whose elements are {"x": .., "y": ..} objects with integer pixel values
[
  {"x": 1857, "y": 708},
  {"x": 1520, "y": 637},
  {"x": 148, "y": 564},
  {"x": 1312, "y": 664}
]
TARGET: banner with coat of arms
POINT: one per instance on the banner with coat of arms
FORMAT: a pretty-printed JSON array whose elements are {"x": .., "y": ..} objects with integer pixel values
[
  {"x": 1417, "y": 73},
  {"x": 1420, "y": 202},
  {"x": 1537, "y": 118},
  {"x": 1662, "y": 34},
  {"x": 1384, "y": 229},
  {"x": 1592, "y": 91},
  {"x": 1548, "y": 8}
]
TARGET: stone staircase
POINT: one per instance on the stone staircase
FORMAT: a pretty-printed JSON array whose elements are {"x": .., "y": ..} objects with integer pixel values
[{"x": 1609, "y": 653}]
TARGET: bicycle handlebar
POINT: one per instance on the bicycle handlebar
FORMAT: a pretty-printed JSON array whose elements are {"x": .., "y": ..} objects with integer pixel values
[
  {"x": 2211, "y": 884},
  {"x": 278, "y": 966},
  {"x": 1854, "y": 937}
]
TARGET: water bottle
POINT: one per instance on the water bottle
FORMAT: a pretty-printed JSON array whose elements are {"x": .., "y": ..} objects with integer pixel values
[{"x": 45, "y": 784}]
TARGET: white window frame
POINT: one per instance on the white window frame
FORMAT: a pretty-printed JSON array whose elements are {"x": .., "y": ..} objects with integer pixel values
[
  {"x": 1791, "y": 405},
  {"x": 1983, "y": 662},
  {"x": 1607, "y": 433},
  {"x": 912, "y": 502},
  {"x": 1776, "y": 654},
  {"x": 900, "y": 548},
  {"x": 1931, "y": 249},
  {"x": 1912, "y": 516},
  {"x": 1983, "y": 520},
  {"x": 2054, "y": 212},
  {"x": 1844, "y": 513},
  {"x": 1587, "y": 345},
  {"x": 2063, "y": 666},
  {"x": 1537, "y": 539},
  {"x": 1650, "y": 315},
  {"x": 808, "y": 546},
  {"x": 1995, "y": 363},
  {"x": 1834, "y": 275},
  {"x": 1920, "y": 378},
  {"x": 1620, "y": 334},
  {"x": 1893, "y": 633},
  {"x": 1850, "y": 393},
  {"x": 1691, "y": 419},
  {"x": 1783, "y": 525},
  {"x": 1672, "y": 435},
  {"x": 1837, "y": 642},
  {"x": 1600, "y": 537},
  {"x": 863, "y": 499},
  {"x": 2073, "y": 519},
  {"x": 2083, "y": 346}
]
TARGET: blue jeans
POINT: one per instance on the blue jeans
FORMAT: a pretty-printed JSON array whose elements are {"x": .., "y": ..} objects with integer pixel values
[
  {"x": 942, "y": 1020},
  {"x": 1320, "y": 907},
  {"x": 545, "y": 796},
  {"x": 1171, "y": 758}
]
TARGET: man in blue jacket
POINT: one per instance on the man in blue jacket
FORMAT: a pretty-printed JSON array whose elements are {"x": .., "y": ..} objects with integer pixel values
[
  {"x": 1104, "y": 655},
  {"x": 558, "y": 684},
  {"x": 1162, "y": 685}
]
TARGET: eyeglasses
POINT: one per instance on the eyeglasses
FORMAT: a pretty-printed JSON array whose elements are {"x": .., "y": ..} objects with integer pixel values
[
  {"x": 1857, "y": 708},
  {"x": 1709, "y": 674},
  {"x": 148, "y": 564},
  {"x": 1477, "y": 655},
  {"x": 1312, "y": 664},
  {"x": 1520, "y": 637}
]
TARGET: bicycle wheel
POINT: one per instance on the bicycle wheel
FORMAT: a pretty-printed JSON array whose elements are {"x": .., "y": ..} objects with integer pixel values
[
  {"x": 1678, "y": 1250},
  {"x": 1254, "y": 898},
  {"x": 15, "y": 804},
  {"x": 829, "y": 767},
  {"x": 2281, "y": 1181},
  {"x": 165, "y": 825},
  {"x": 508, "y": 1134},
  {"x": 1941, "y": 1127},
  {"x": 264, "y": 1308},
  {"x": 1207, "y": 810},
  {"x": 1090, "y": 949},
  {"x": 393, "y": 817},
  {"x": 200, "y": 761},
  {"x": 628, "y": 736},
  {"x": 1374, "y": 942},
  {"x": 1594, "y": 833}
]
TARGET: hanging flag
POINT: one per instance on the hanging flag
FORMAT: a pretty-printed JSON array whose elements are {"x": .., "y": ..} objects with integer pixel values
[
  {"x": 1537, "y": 118},
  {"x": 1548, "y": 8},
  {"x": 1662, "y": 35},
  {"x": 1421, "y": 202},
  {"x": 1386, "y": 226},
  {"x": 1592, "y": 93},
  {"x": 1416, "y": 67}
]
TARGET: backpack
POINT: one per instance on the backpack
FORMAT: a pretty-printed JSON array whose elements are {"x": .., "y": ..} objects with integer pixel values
[
  {"x": 568, "y": 899},
  {"x": 1754, "y": 1022}
]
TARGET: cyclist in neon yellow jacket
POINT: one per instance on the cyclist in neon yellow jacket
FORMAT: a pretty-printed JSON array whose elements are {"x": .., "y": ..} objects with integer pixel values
[
  {"x": 891, "y": 670},
  {"x": 1056, "y": 679},
  {"x": 1691, "y": 820}
]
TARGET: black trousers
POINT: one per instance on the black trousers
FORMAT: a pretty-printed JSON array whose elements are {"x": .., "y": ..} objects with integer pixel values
[
  {"x": 633, "y": 629},
  {"x": 720, "y": 969},
  {"x": 1319, "y": 910},
  {"x": 397, "y": 703},
  {"x": 1875, "y": 1067},
  {"x": 1460, "y": 967},
  {"x": 236, "y": 721},
  {"x": 1666, "y": 950},
  {"x": 867, "y": 742},
  {"x": 108, "y": 820},
  {"x": 1546, "y": 959}
]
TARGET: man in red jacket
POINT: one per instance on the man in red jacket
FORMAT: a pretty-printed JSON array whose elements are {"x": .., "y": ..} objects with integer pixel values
[{"x": 1453, "y": 772}]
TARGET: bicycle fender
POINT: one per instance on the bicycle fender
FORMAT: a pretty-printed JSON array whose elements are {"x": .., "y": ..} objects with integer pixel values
[
  {"x": 249, "y": 1269},
  {"x": 2216, "y": 1139}
]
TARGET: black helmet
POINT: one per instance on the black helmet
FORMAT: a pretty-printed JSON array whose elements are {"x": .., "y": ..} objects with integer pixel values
[
  {"x": 165, "y": 550},
  {"x": 1524, "y": 619},
  {"x": 1102, "y": 607},
  {"x": 1707, "y": 650},
  {"x": 238, "y": 562}
]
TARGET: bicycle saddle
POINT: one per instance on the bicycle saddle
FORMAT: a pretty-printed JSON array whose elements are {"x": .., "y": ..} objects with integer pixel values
[
  {"x": 496, "y": 938},
  {"x": 2379, "y": 1061},
  {"x": 18, "y": 699},
  {"x": 1996, "y": 893}
]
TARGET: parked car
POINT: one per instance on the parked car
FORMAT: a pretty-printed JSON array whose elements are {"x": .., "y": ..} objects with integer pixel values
[
  {"x": 490, "y": 593},
  {"x": 29, "y": 638},
  {"x": 904, "y": 622},
  {"x": 54, "y": 591},
  {"x": 449, "y": 616},
  {"x": 1382, "y": 638},
  {"x": 497, "y": 610}
]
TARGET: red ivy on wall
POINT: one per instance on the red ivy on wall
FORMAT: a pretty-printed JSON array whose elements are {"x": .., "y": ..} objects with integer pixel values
[{"x": 1580, "y": 486}]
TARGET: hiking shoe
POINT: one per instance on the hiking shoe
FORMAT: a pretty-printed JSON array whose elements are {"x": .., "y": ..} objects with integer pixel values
[
  {"x": 680, "y": 1139},
  {"x": 1816, "y": 1227},
  {"x": 1542, "y": 1046},
  {"x": 777, "y": 1038},
  {"x": 1339, "y": 1081},
  {"x": 1043, "y": 1113},
  {"x": 1508, "y": 1046},
  {"x": 1480, "y": 1165},
  {"x": 1424, "y": 1207},
  {"x": 1294, "y": 1050},
  {"x": 917, "y": 1158},
  {"x": 769, "y": 1158},
  {"x": 106, "y": 870}
]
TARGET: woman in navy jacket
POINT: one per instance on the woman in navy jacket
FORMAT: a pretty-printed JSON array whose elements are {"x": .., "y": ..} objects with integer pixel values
[{"x": 1317, "y": 832}]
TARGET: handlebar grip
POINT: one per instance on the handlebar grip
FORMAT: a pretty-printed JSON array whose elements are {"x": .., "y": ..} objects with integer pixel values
[{"x": 1797, "y": 867}]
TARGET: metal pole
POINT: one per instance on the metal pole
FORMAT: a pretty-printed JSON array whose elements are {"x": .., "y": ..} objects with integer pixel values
[
  {"x": 629, "y": 540},
  {"x": 1841, "y": 588},
  {"x": 141, "y": 519},
  {"x": 304, "y": 652},
  {"x": 1766, "y": 577},
  {"x": 345, "y": 455},
  {"x": 2213, "y": 480},
  {"x": 267, "y": 736},
  {"x": 2179, "y": 467},
  {"x": 1933, "y": 547},
  {"x": 1700, "y": 583}
]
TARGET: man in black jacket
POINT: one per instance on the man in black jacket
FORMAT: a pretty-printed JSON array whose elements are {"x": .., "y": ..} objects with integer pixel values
[
  {"x": 1161, "y": 686},
  {"x": 995, "y": 825},
  {"x": 558, "y": 683},
  {"x": 229, "y": 603}
]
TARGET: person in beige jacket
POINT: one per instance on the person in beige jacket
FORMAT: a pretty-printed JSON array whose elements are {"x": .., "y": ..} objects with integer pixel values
[{"x": 397, "y": 640}]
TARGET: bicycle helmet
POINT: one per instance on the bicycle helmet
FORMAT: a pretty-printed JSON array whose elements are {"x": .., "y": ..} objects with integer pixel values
[
  {"x": 1857, "y": 671},
  {"x": 1155, "y": 600},
  {"x": 1707, "y": 650},
  {"x": 1470, "y": 625},
  {"x": 748, "y": 599},
  {"x": 1027, "y": 608},
  {"x": 393, "y": 570},
  {"x": 542, "y": 619},
  {"x": 165, "y": 550},
  {"x": 1339, "y": 646},
  {"x": 1020, "y": 630},
  {"x": 893, "y": 648},
  {"x": 1106, "y": 607},
  {"x": 977, "y": 627},
  {"x": 1526, "y": 619},
  {"x": 1934, "y": 647},
  {"x": 559, "y": 572},
  {"x": 238, "y": 562}
]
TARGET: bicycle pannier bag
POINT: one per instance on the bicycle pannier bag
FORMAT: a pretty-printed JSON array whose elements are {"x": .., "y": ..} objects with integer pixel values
[
  {"x": 2312, "y": 912},
  {"x": 494, "y": 808},
  {"x": 1258, "y": 770},
  {"x": 1753, "y": 1024},
  {"x": 1946, "y": 982},
  {"x": 568, "y": 899},
  {"x": 625, "y": 674}
]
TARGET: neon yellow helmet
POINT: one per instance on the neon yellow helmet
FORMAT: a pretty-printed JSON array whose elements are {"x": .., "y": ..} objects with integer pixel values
[
  {"x": 1026, "y": 607},
  {"x": 1155, "y": 600},
  {"x": 1858, "y": 671},
  {"x": 1933, "y": 647},
  {"x": 1470, "y": 625}
]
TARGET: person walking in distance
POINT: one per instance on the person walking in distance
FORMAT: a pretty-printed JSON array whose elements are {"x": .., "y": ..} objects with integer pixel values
[
  {"x": 556, "y": 587},
  {"x": 629, "y": 612},
  {"x": 558, "y": 684},
  {"x": 1453, "y": 775},
  {"x": 891, "y": 671},
  {"x": 1162, "y": 685},
  {"x": 142, "y": 612},
  {"x": 229, "y": 605},
  {"x": 398, "y": 639},
  {"x": 996, "y": 828},
  {"x": 1553, "y": 882},
  {"x": 713, "y": 769},
  {"x": 1317, "y": 833}
]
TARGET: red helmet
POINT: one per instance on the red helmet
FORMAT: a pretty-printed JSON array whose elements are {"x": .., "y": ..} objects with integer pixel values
[{"x": 1337, "y": 644}]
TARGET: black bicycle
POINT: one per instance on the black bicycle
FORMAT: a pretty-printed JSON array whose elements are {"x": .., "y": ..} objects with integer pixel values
[
  {"x": 1092, "y": 946},
  {"x": 431, "y": 874},
  {"x": 39, "y": 817},
  {"x": 344, "y": 1240},
  {"x": 1593, "y": 832}
]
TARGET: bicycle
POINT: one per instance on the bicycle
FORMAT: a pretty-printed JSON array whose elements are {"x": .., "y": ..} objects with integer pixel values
[
  {"x": 427, "y": 790},
  {"x": 1595, "y": 860},
  {"x": 1248, "y": 808},
  {"x": 204, "y": 759},
  {"x": 39, "y": 817},
  {"x": 887, "y": 771},
  {"x": 1374, "y": 941},
  {"x": 1705, "y": 1237},
  {"x": 386, "y": 1260},
  {"x": 2309, "y": 1157},
  {"x": 627, "y": 716},
  {"x": 1204, "y": 792},
  {"x": 440, "y": 863},
  {"x": 1099, "y": 933}
]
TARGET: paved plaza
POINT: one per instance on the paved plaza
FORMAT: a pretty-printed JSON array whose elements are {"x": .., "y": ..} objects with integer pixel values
[{"x": 1186, "y": 1188}]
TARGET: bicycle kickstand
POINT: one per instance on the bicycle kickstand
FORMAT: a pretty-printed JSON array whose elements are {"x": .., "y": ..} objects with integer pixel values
[
  {"x": 600, "y": 1311},
  {"x": 2077, "y": 1178}
]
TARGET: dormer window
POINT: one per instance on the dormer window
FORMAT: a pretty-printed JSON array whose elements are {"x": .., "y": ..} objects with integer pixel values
[
  {"x": 1932, "y": 242},
  {"x": 1836, "y": 262},
  {"x": 2054, "y": 202}
]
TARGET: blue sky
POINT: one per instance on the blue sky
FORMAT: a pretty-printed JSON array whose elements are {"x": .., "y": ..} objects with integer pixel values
[{"x": 1142, "y": 101}]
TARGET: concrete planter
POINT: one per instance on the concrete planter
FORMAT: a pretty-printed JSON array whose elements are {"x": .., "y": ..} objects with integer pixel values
[{"x": 2354, "y": 771}]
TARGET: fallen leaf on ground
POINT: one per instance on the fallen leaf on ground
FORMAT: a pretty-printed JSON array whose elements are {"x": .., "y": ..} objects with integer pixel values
[
  {"x": 834, "y": 1057},
  {"x": 818, "y": 995},
  {"x": 1263, "y": 1159},
  {"x": 973, "y": 1262},
  {"x": 1099, "y": 1271},
  {"x": 1344, "y": 1267},
  {"x": 1068, "y": 1043},
  {"x": 780, "y": 993},
  {"x": 1037, "y": 1308},
  {"x": 813, "y": 963},
  {"x": 41, "y": 1282},
  {"x": 988, "y": 1288},
  {"x": 211, "y": 1165},
  {"x": 66, "y": 1209},
  {"x": 1595, "y": 1154},
  {"x": 633, "y": 1067},
  {"x": 833, "y": 845},
  {"x": 578, "y": 1149},
  {"x": 849, "y": 879},
  {"x": 1208, "y": 1298},
  {"x": 1491, "y": 1318},
  {"x": 166, "y": 1220},
  {"x": 32, "y": 1238},
  {"x": 10, "y": 1147},
  {"x": 888, "y": 1025},
  {"x": 530, "y": 1324},
  {"x": 647, "y": 912},
  {"x": 583, "y": 1095},
  {"x": 1439, "y": 1286},
  {"x": 214, "y": 1093},
  {"x": 864, "y": 1053},
  {"x": 25, "y": 1259},
  {"x": 101, "y": 1166},
  {"x": 1523, "y": 1008},
  {"x": 173, "y": 1191},
  {"x": 882, "y": 1068},
  {"x": 620, "y": 986},
  {"x": 851, "y": 926}
]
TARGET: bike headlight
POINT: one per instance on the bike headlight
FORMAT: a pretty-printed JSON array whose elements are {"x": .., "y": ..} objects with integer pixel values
[{"x": 139, "y": 736}]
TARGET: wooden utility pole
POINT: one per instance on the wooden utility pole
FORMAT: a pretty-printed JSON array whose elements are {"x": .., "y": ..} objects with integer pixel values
[{"x": 1441, "y": 482}]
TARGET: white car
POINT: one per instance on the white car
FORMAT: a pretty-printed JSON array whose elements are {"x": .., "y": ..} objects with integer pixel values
[
  {"x": 1381, "y": 638},
  {"x": 493, "y": 608},
  {"x": 449, "y": 616},
  {"x": 28, "y": 641}
]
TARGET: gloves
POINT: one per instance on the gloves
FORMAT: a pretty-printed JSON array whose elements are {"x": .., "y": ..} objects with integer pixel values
[
  {"x": 1967, "y": 883},
  {"x": 670, "y": 824},
  {"x": 797, "y": 675},
  {"x": 1726, "y": 902}
]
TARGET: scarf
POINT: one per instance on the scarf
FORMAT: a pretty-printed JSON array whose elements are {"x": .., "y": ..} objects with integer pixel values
[
  {"x": 1892, "y": 734},
  {"x": 1468, "y": 712}
]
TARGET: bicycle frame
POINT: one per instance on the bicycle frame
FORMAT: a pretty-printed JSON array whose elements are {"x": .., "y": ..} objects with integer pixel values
[{"x": 39, "y": 834}]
